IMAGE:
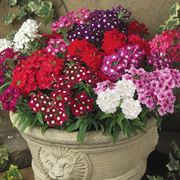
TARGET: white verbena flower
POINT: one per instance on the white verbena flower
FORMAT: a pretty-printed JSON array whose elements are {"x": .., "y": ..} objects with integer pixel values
[
  {"x": 108, "y": 100},
  {"x": 26, "y": 33},
  {"x": 125, "y": 88},
  {"x": 131, "y": 108},
  {"x": 4, "y": 44}
]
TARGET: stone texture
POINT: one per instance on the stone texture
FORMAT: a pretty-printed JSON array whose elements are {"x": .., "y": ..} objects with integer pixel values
[
  {"x": 57, "y": 154},
  {"x": 152, "y": 13}
]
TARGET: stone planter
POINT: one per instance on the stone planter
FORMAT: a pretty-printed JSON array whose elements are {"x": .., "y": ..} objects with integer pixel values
[{"x": 58, "y": 156}]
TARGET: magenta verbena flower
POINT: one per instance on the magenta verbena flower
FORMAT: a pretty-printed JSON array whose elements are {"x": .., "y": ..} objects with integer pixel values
[
  {"x": 9, "y": 98},
  {"x": 56, "y": 46},
  {"x": 114, "y": 66},
  {"x": 165, "y": 49}
]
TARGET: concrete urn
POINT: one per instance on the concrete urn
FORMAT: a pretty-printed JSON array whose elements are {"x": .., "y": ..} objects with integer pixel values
[{"x": 58, "y": 156}]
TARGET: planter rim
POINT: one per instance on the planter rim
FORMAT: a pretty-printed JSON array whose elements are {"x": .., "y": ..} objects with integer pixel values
[{"x": 63, "y": 137}]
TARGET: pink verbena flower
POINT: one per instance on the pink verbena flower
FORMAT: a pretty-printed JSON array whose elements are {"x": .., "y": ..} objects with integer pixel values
[
  {"x": 73, "y": 17},
  {"x": 102, "y": 86},
  {"x": 165, "y": 49},
  {"x": 155, "y": 89}
]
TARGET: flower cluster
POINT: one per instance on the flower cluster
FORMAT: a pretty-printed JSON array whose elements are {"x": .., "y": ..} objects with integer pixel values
[
  {"x": 81, "y": 104},
  {"x": 36, "y": 71},
  {"x": 56, "y": 46},
  {"x": 90, "y": 73},
  {"x": 7, "y": 54},
  {"x": 155, "y": 89},
  {"x": 52, "y": 108},
  {"x": 87, "y": 52},
  {"x": 27, "y": 33},
  {"x": 165, "y": 49},
  {"x": 73, "y": 17},
  {"x": 99, "y": 22},
  {"x": 121, "y": 95},
  {"x": 4, "y": 44},
  {"x": 112, "y": 41},
  {"x": 143, "y": 44},
  {"x": 115, "y": 65},
  {"x": 135, "y": 27},
  {"x": 9, "y": 98}
]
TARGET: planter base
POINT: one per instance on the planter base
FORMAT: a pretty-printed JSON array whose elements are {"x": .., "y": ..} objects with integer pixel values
[
  {"x": 135, "y": 174},
  {"x": 58, "y": 156}
]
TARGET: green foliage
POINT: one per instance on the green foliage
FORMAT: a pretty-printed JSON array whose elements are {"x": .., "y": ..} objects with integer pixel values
[
  {"x": 9, "y": 18},
  {"x": 12, "y": 174},
  {"x": 174, "y": 162},
  {"x": 12, "y": 2},
  {"x": 155, "y": 178},
  {"x": 113, "y": 124},
  {"x": 173, "y": 22},
  {"x": 30, "y": 8},
  {"x": 26, "y": 118},
  {"x": 4, "y": 155},
  {"x": 173, "y": 165}
]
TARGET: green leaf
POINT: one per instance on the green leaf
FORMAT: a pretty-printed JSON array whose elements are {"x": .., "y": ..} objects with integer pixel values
[
  {"x": 40, "y": 118},
  {"x": 44, "y": 128},
  {"x": 155, "y": 178},
  {"x": 94, "y": 123},
  {"x": 82, "y": 131},
  {"x": 161, "y": 28},
  {"x": 176, "y": 64},
  {"x": 12, "y": 2},
  {"x": 174, "y": 10},
  {"x": 173, "y": 164},
  {"x": 4, "y": 155},
  {"x": 172, "y": 23},
  {"x": 25, "y": 123},
  {"x": 49, "y": 17},
  {"x": 159, "y": 121},
  {"x": 8, "y": 19},
  {"x": 115, "y": 133},
  {"x": 4, "y": 86},
  {"x": 12, "y": 174},
  {"x": 74, "y": 126},
  {"x": 44, "y": 9},
  {"x": 177, "y": 106},
  {"x": 21, "y": 13},
  {"x": 103, "y": 116},
  {"x": 34, "y": 5},
  {"x": 120, "y": 120}
]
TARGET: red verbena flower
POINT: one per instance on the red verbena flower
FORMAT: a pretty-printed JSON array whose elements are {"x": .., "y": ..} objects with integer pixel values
[
  {"x": 87, "y": 52},
  {"x": 135, "y": 39},
  {"x": 113, "y": 40},
  {"x": 53, "y": 110},
  {"x": 135, "y": 27},
  {"x": 36, "y": 71},
  {"x": 81, "y": 104}
]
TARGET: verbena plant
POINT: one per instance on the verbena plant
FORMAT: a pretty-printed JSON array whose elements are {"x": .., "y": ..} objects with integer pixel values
[{"x": 94, "y": 72}]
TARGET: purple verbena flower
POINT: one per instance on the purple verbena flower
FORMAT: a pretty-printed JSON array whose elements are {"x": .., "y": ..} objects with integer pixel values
[{"x": 115, "y": 65}]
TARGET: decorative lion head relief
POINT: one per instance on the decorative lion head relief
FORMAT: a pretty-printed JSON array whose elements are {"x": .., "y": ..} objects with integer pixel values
[{"x": 64, "y": 164}]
